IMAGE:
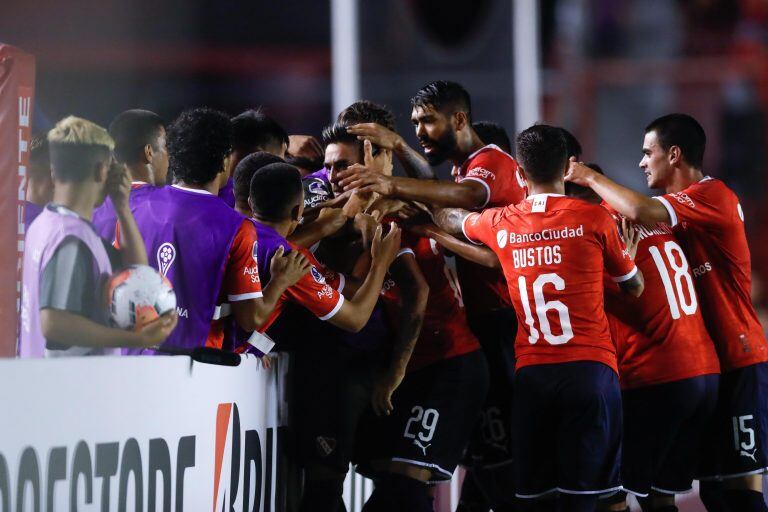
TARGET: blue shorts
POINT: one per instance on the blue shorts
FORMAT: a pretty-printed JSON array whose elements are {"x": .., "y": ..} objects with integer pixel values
[
  {"x": 663, "y": 430},
  {"x": 738, "y": 436},
  {"x": 567, "y": 429}
]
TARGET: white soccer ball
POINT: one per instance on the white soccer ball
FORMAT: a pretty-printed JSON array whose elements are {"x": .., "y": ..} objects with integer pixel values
[{"x": 138, "y": 295}]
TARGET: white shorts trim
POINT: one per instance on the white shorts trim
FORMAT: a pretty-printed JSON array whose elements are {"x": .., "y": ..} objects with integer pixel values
[
  {"x": 667, "y": 491},
  {"x": 335, "y": 309},
  {"x": 534, "y": 496},
  {"x": 244, "y": 296},
  {"x": 429, "y": 465},
  {"x": 670, "y": 210},
  {"x": 487, "y": 189},
  {"x": 733, "y": 475},
  {"x": 464, "y": 231},
  {"x": 636, "y": 493},
  {"x": 610, "y": 490},
  {"x": 625, "y": 277}
]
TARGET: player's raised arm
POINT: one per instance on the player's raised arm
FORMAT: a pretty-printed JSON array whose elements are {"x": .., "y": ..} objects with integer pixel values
[
  {"x": 450, "y": 219},
  {"x": 131, "y": 244},
  {"x": 633, "y": 205},
  {"x": 355, "y": 312},
  {"x": 415, "y": 165}
]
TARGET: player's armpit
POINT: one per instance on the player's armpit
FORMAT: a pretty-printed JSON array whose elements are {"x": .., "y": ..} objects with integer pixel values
[{"x": 634, "y": 285}]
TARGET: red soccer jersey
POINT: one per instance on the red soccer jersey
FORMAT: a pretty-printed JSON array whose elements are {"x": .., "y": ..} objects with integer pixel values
[
  {"x": 241, "y": 279},
  {"x": 319, "y": 291},
  {"x": 660, "y": 336},
  {"x": 554, "y": 251},
  {"x": 708, "y": 220},
  {"x": 484, "y": 288},
  {"x": 444, "y": 333}
]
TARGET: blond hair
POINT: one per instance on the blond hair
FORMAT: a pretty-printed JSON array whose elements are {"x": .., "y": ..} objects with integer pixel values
[{"x": 79, "y": 131}]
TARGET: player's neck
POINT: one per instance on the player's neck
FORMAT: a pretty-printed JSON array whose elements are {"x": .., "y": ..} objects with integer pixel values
[
  {"x": 465, "y": 146},
  {"x": 282, "y": 227},
  {"x": 211, "y": 186},
  {"x": 546, "y": 188},
  {"x": 143, "y": 173},
  {"x": 682, "y": 178},
  {"x": 75, "y": 197}
]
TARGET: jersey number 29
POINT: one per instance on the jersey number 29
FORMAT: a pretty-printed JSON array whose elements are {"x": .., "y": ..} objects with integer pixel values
[{"x": 543, "y": 306}]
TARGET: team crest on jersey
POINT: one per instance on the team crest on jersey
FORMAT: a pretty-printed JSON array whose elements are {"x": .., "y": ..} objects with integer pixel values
[
  {"x": 254, "y": 251},
  {"x": 166, "y": 255},
  {"x": 317, "y": 276},
  {"x": 502, "y": 238}
]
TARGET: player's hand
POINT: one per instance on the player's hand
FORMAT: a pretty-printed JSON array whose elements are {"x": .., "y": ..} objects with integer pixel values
[
  {"x": 332, "y": 215},
  {"x": 119, "y": 185},
  {"x": 288, "y": 268},
  {"x": 156, "y": 331},
  {"x": 356, "y": 203},
  {"x": 578, "y": 173},
  {"x": 305, "y": 146},
  {"x": 427, "y": 230},
  {"x": 377, "y": 134},
  {"x": 384, "y": 250},
  {"x": 366, "y": 225},
  {"x": 631, "y": 236},
  {"x": 366, "y": 178},
  {"x": 385, "y": 386}
]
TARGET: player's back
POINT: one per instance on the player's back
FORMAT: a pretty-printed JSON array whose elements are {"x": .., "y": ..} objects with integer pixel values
[
  {"x": 554, "y": 251},
  {"x": 660, "y": 336},
  {"x": 709, "y": 222}
]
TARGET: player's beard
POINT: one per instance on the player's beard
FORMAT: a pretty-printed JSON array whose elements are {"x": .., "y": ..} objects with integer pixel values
[{"x": 441, "y": 148}]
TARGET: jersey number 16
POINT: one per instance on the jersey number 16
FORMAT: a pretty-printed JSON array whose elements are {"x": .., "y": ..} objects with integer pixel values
[{"x": 542, "y": 306}]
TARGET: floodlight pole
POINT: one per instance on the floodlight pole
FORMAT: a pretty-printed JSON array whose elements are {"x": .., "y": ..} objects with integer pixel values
[
  {"x": 526, "y": 58},
  {"x": 345, "y": 58}
]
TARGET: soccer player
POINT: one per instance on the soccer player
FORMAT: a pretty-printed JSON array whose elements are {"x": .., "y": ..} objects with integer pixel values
[
  {"x": 39, "y": 181},
  {"x": 485, "y": 176},
  {"x": 554, "y": 251},
  {"x": 206, "y": 249},
  {"x": 252, "y": 131},
  {"x": 139, "y": 137},
  {"x": 65, "y": 261},
  {"x": 707, "y": 219},
  {"x": 493, "y": 133},
  {"x": 328, "y": 405}
]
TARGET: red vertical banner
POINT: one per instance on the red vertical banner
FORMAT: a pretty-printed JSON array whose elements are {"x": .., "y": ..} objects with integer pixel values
[{"x": 17, "y": 85}]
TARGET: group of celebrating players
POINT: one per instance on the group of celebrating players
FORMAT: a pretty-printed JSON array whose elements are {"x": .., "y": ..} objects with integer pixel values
[{"x": 566, "y": 339}]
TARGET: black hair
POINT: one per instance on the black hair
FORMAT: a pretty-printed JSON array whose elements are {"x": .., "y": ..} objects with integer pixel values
[
  {"x": 75, "y": 162},
  {"x": 683, "y": 131},
  {"x": 256, "y": 131},
  {"x": 337, "y": 133},
  {"x": 572, "y": 145},
  {"x": 246, "y": 169},
  {"x": 39, "y": 158},
  {"x": 447, "y": 97},
  {"x": 275, "y": 191},
  {"x": 541, "y": 150},
  {"x": 365, "y": 111},
  {"x": 132, "y": 131},
  {"x": 198, "y": 142},
  {"x": 493, "y": 133},
  {"x": 585, "y": 193}
]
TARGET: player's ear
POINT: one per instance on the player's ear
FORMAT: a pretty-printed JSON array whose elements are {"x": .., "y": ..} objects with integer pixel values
[
  {"x": 149, "y": 152},
  {"x": 461, "y": 120},
  {"x": 101, "y": 171},
  {"x": 675, "y": 155}
]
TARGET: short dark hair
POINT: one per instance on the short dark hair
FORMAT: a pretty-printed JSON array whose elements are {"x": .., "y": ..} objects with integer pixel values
[
  {"x": 493, "y": 133},
  {"x": 337, "y": 133},
  {"x": 572, "y": 145},
  {"x": 246, "y": 169},
  {"x": 683, "y": 131},
  {"x": 275, "y": 191},
  {"x": 586, "y": 193},
  {"x": 541, "y": 152},
  {"x": 365, "y": 111},
  {"x": 132, "y": 131},
  {"x": 39, "y": 159},
  {"x": 198, "y": 142},
  {"x": 255, "y": 131},
  {"x": 447, "y": 97}
]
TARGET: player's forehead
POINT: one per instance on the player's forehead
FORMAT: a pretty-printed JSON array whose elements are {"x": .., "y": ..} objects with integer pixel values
[
  {"x": 341, "y": 152},
  {"x": 650, "y": 141},
  {"x": 424, "y": 113}
]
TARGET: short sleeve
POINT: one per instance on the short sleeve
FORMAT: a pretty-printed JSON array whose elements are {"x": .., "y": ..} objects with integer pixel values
[
  {"x": 241, "y": 277},
  {"x": 314, "y": 293},
  {"x": 700, "y": 204},
  {"x": 618, "y": 263},
  {"x": 477, "y": 227},
  {"x": 483, "y": 169},
  {"x": 68, "y": 281}
]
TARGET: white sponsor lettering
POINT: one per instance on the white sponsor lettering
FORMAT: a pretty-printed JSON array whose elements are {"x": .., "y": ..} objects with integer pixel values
[
  {"x": 546, "y": 235},
  {"x": 536, "y": 256}
]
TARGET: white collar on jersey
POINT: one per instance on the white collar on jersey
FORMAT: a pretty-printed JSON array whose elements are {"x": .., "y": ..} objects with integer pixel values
[
  {"x": 195, "y": 190},
  {"x": 706, "y": 178},
  {"x": 139, "y": 183},
  {"x": 547, "y": 194}
]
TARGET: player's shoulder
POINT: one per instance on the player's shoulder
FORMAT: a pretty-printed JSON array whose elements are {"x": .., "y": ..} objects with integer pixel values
[
  {"x": 590, "y": 213},
  {"x": 490, "y": 154},
  {"x": 711, "y": 186}
]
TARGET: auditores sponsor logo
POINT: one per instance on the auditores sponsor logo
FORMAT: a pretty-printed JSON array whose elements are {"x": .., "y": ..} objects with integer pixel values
[{"x": 155, "y": 474}]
